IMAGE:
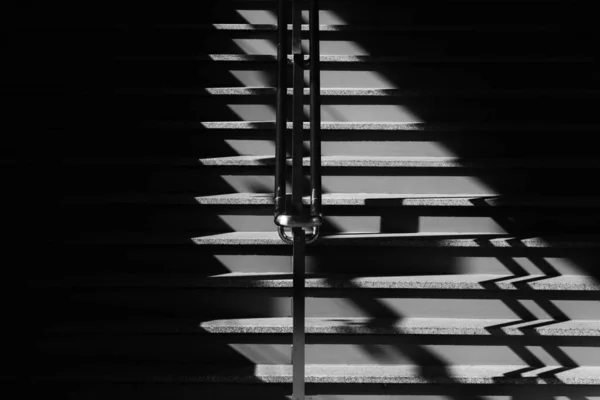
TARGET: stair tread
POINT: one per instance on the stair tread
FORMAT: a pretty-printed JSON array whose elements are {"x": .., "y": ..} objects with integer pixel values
[
  {"x": 393, "y": 126},
  {"x": 438, "y": 240},
  {"x": 363, "y": 28},
  {"x": 347, "y": 161},
  {"x": 377, "y": 59},
  {"x": 408, "y": 162},
  {"x": 409, "y": 326},
  {"x": 379, "y": 199},
  {"x": 463, "y": 27},
  {"x": 335, "y": 374},
  {"x": 343, "y": 199},
  {"x": 341, "y": 326},
  {"x": 453, "y": 282},
  {"x": 267, "y": 280},
  {"x": 364, "y": 92}
]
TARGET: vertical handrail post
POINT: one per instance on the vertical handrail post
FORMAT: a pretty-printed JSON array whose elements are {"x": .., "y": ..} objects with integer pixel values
[
  {"x": 298, "y": 109},
  {"x": 293, "y": 216},
  {"x": 281, "y": 122},
  {"x": 296, "y": 204},
  {"x": 315, "y": 110},
  {"x": 298, "y": 313}
]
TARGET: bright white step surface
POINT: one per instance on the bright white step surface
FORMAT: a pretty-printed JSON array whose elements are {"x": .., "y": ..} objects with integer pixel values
[
  {"x": 478, "y": 282},
  {"x": 463, "y": 240},
  {"x": 406, "y": 162},
  {"x": 343, "y": 326}
]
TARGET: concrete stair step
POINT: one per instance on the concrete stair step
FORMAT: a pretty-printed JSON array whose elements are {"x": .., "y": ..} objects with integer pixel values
[
  {"x": 368, "y": 28},
  {"x": 376, "y": 200},
  {"x": 252, "y": 280},
  {"x": 367, "y": 92},
  {"x": 364, "y": 109},
  {"x": 407, "y": 326},
  {"x": 403, "y": 162},
  {"x": 423, "y": 240},
  {"x": 357, "y": 41},
  {"x": 104, "y": 304},
  {"x": 341, "y": 326},
  {"x": 444, "y": 240},
  {"x": 423, "y": 282},
  {"x": 347, "y": 162},
  {"x": 396, "y": 200},
  {"x": 333, "y": 92},
  {"x": 329, "y": 374},
  {"x": 360, "y": 42},
  {"x": 381, "y": 218},
  {"x": 386, "y": 126},
  {"x": 410, "y": 77},
  {"x": 365, "y": 59},
  {"x": 84, "y": 177}
]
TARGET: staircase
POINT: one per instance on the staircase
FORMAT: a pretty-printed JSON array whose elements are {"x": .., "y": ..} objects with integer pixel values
[{"x": 459, "y": 252}]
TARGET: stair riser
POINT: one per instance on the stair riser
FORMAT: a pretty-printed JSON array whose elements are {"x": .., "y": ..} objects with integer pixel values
[
  {"x": 362, "y": 109},
  {"x": 410, "y": 262},
  {"x": 206, "y": 304},
  {"x": 366, "y": 262},
  {"x": 404, "y": 14},
  {"x": 556, "y": 182},
  {"x": 200, "y": 181},
  {"x": 208, "y": 351},
  {"x": 460, "y": 78},
  {"x": 336, "y": 221},
  {"x": 199, "y": 42},
  {"x": 99, "y": 391},
  {"x": 399, "y": 144},
  {"x": 365, "y": 43},
  {"x": 180, "y": 42},
  {"x": 207, "y": 144},
  {"x": 180, "y": 253}
]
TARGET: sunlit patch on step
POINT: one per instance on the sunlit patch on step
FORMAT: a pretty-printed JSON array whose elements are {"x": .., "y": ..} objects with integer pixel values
[
  {"x": 256, "y": 78},
  {"x": 371, "y": 224},
  {"x": 262, "y": 147},
  {"x": 355, "y": 79},
  {"x": 367, "y": 352},
  {"x": 329, "y": 17},
  {"x": 333, "y": 113},
  {"x": 367, "y": 113},
  {"x": 253, "y": 112},
  {"x": 256, "y": 46},
  {"x": 406, "y": 263},
  {"x": 251, "y": 147},
  {"x": 338, "y": 47},
  {"x": 371, "y": 184},
  {"x": 339, "y": 147},
  {"x": 259, "y": 17},
  {"x": 459, "y": 353},
  {"x": 264, "y": 353},
  {"x": 450, "y": 307},
  {"x": 254, "y": 263}
]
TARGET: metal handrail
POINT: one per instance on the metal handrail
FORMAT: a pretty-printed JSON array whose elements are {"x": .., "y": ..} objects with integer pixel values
[
  {"x": 293, "y": 215},
  {"x": 281, "y": 118},
  {"x": 315, "y": 110},
  {"x": 284, "y": 213}
]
